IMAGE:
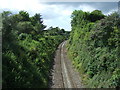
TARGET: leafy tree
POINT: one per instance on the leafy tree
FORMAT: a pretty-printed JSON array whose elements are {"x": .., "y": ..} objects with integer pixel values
[
  {"x": 95, "y": 15},
  {"x": 37, "y": 21},
  {"x": 24, "y": 16},
  {"x": 27, "y": 52},
  {"x": 8, "y": 25},
  {"x": 24, "y": 27},
  {"x": 94, "y": 48}
]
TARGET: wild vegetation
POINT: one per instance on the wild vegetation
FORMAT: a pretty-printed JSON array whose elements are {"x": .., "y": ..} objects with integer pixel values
[
  {"x": 28, "y": 49},
  {"x": 94, "y": 47},
  {"x": 27, "y": 52}
]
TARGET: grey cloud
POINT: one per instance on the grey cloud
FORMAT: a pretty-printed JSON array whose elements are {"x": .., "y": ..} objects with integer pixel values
[
  {"x": 79, "y": 0},
  {"x": 103, "y": 6},
  {"x": 49, "y": 14}
]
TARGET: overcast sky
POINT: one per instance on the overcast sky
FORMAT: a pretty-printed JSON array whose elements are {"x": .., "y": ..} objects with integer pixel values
[{"x": 56, "y": 14}]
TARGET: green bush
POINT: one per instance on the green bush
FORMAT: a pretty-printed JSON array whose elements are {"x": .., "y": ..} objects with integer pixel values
[
  {"x": 27, "y": 52},
  {"x": 94, "y": 47}
]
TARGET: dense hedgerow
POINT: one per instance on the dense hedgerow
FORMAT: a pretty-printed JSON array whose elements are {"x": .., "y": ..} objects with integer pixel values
[
  {"x": 27, "y": 52},
  {"x": 94, "y": 47}
]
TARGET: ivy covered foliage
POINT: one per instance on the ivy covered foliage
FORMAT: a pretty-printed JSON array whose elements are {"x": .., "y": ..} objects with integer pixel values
[
  {"x": 27, "y": 52},
  {"x": 94, "y": 47}
]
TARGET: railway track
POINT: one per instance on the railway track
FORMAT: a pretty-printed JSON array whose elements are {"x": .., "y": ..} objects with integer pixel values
[{"x": 64, "y": 75}]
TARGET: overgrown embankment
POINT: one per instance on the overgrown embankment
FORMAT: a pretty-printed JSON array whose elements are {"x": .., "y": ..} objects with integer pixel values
[
  {"x": 28, "y": 49},
  {"x": 94, "y": 47}
]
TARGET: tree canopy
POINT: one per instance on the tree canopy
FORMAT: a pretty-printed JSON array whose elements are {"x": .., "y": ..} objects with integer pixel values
[
  {"x": 94, "y": 47},
  {"x": 28, "y": 50}
]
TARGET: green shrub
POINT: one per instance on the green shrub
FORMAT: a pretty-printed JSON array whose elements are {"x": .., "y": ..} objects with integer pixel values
[{"x": 94, "y": 47}]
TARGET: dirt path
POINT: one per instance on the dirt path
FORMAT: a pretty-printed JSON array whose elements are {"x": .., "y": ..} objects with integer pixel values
[{"x": 63, "y": 74}]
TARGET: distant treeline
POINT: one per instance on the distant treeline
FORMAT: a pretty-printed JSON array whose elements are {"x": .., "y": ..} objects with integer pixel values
[
  {"x": 28, "y": 50},
  {"x": 94, "y": 47}
]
